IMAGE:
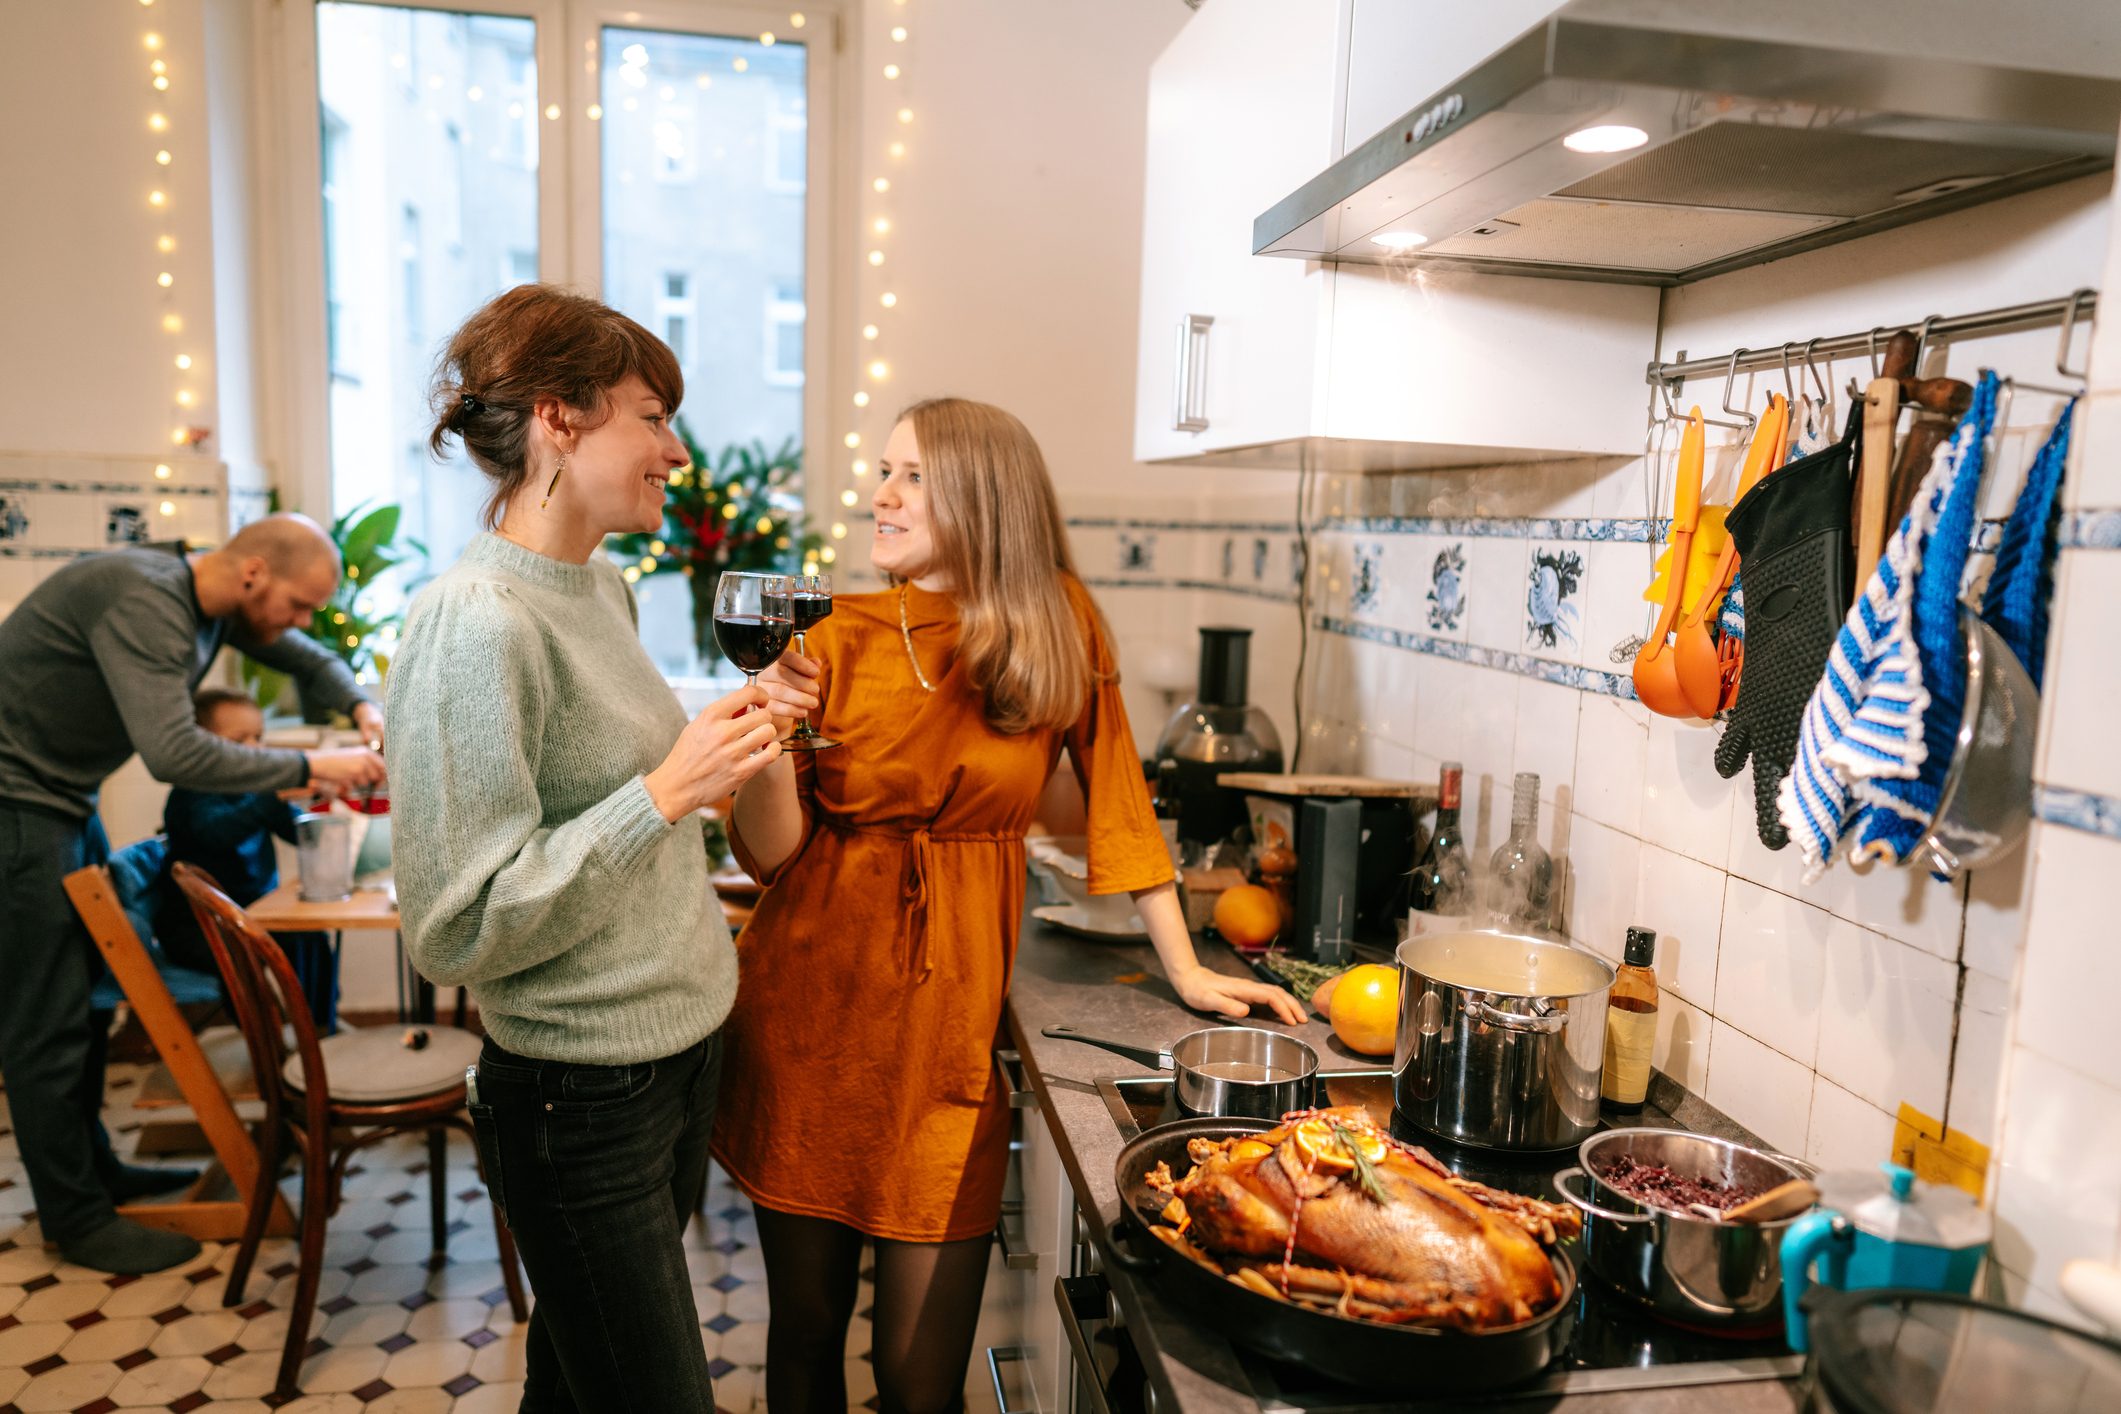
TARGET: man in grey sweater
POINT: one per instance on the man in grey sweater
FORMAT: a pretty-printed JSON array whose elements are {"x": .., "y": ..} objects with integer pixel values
[{"x": 99, "y": 662}]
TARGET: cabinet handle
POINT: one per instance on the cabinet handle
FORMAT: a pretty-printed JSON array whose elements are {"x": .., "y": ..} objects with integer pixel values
[
  {"x": 1083, "y": 1299},
  {"x": 1009, "y": 1065},
  {"x": 997, "y": 1356},
  {"x": 1015, "y": 1258},
  {"x": 1189, "y": 388}
]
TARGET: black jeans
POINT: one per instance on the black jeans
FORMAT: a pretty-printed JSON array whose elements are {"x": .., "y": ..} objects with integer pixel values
[
  {"x": 51, "y": 1046},
  {"x": 598, "y": 1168}
]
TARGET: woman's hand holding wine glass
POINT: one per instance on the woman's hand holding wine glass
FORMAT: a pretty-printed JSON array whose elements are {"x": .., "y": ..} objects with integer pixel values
[
  {"x": 720, "y": 749},
  {"x": 792, "y": 686}
]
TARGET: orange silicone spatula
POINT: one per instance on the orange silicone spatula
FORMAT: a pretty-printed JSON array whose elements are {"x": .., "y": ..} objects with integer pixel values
[
  {"x": 1700, "y": 659},
  {"x": 1656, "y": 668}
]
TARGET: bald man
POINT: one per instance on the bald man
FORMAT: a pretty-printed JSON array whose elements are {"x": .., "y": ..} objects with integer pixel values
[{"x": 99, "y": 662}]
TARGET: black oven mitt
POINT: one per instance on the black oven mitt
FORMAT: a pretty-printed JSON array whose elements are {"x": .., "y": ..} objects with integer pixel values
[{"x": 1792, "y": 532}]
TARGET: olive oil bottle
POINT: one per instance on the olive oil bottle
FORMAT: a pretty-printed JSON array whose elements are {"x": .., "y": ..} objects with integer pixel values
[{"x": 1630, "y": 1026}]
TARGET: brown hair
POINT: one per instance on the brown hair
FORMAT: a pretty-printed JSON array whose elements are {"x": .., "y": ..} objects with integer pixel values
[
  {"x": 1000, "y": 539},
  {"x": 209, "y": 700},
  {"x": 538, "y": 341}
]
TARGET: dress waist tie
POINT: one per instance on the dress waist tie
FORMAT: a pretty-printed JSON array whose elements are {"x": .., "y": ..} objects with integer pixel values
[{"x": 913, "y": 948}]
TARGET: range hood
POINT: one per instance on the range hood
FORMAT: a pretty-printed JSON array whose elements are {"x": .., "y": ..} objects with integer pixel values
[{"x": 1757, "y": 131}]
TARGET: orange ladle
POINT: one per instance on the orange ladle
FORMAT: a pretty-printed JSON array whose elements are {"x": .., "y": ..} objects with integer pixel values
[
  {"x": 1708, "y": 670},
  {"x": 1656, "y": 666}
]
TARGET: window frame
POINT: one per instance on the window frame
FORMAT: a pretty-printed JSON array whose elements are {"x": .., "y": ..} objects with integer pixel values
[{"x": 570, "y": 199}]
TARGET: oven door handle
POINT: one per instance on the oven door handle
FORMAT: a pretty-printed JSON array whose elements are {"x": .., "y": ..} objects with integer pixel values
[
  {"x": 1083, "y": 1299},
  {"x": 996, "y": 1356}
]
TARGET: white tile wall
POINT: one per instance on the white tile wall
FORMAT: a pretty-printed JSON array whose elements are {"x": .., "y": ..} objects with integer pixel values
[{"x": 1760, "y": 1087}]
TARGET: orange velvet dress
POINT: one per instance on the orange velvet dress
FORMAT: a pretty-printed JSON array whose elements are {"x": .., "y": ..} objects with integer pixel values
[{"x": 859, "y": 1080}]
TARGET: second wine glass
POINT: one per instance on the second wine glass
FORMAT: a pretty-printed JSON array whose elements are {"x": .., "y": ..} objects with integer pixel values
[
  {"x": 753, "y": 620},
  {"x": 812, "y": 600}
]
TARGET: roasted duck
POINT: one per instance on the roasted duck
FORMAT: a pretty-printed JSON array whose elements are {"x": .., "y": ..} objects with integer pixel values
[{"x": 1329, "y": 1209}]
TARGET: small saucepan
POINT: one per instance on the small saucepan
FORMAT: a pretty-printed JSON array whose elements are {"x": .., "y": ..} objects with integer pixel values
[{"x": 1241, "y": 1071}]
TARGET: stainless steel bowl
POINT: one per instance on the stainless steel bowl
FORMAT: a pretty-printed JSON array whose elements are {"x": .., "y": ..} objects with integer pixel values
[{"x": 1691, "y": 1269}]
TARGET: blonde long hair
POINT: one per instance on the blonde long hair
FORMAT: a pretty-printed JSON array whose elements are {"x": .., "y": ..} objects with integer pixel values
[{"x": 1000, "y": 539}]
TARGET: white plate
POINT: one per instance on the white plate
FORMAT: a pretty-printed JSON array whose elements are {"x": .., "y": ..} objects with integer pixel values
[{"x": 1070, "y": 919}]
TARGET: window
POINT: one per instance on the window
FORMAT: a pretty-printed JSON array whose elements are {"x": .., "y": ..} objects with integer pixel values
[
  {"x": 409, "y": 275},
  {"x": 413, "y": 198},
  {"x": 787, "y": 145},
  {"x": 333, "y": 158},
  {"x": 674, "y": 314},
  {"x": 522, "y": 268},
  {"x": 784, "y": 337}
]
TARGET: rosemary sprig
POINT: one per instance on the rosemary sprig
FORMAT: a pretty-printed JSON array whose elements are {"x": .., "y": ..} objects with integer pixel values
[{"x": 1365, "y": 1176}]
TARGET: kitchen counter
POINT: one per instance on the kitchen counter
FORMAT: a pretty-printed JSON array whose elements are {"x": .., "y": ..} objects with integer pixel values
[{"x": 1118, "y": 990}]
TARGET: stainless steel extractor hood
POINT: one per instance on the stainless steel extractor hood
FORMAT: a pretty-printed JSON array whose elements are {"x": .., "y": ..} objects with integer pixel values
[{"x": 1757, "y": 131}]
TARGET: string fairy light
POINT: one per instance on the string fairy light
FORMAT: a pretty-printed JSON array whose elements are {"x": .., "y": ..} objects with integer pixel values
[{"x": 162, "y": 155}]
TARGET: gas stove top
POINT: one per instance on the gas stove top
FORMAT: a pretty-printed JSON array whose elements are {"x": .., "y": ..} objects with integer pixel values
[{"x": 1616, "y": 1346}]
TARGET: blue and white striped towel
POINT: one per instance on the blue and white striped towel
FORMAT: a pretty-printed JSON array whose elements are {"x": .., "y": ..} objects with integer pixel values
[
  {"x": 1899, "y": 810},
  {"x": 2015, "y": 605},
  {"x": 1864, "y": 720}
]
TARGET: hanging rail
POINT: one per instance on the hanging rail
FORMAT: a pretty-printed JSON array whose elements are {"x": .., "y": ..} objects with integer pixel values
[{"x": 2041, "y": 314}]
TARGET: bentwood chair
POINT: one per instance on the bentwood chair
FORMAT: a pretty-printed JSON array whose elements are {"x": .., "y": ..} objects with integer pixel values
[{"x": 327, "y": 1099}]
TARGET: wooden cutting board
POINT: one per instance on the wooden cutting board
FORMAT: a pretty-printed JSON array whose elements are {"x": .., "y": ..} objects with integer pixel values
[{"x": 1308, "y": 784}]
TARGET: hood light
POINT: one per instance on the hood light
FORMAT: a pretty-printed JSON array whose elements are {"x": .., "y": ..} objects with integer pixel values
[
  {"x": 1400, "y": 240},
  {"x": 1617, "y": 137}
]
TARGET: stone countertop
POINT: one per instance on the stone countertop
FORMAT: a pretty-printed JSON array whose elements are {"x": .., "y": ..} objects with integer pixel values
[{"x": 1119, "y": 990}]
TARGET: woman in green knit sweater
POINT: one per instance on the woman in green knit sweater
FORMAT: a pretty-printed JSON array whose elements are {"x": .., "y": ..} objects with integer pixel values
[{"x": 544, "y": 786}]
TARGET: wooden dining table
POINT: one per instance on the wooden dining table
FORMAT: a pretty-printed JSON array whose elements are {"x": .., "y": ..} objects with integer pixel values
[{"x": 370, "y": 908}]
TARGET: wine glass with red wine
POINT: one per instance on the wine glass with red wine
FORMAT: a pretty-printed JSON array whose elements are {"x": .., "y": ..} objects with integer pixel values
[
  {"x": 812, "y": 601},
  {"x": 753, "y": 620}
]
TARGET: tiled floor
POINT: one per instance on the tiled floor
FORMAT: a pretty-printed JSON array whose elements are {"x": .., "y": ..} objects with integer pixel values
[{"x": 395, "y": 1332}]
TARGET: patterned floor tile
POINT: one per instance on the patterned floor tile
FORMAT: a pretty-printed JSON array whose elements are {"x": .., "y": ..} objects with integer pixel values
[{"x": 429, "y": 1363}]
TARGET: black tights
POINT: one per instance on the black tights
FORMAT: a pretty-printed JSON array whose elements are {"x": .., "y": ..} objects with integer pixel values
[{"x": 927, "y": 1306}]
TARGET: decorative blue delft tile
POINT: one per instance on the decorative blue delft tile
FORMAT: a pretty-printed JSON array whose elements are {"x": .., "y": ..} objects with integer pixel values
[
  {"x": 1553, "y": 608},
  {"x": 1137, "y": 552},
  {"x": 1366, "y": 578},
  {"x": 1447, "y": 588},
  {"x": 2078, "y": 810},
  {"x": 1229, "y": 557},
  {"x": 14, "y": 521},
  {"x": 1261, "y": 549},
  {"x": 125, "y": 525},
  {"x": 2093, "y": 530},
  {"x": 1296, "y": 563}
]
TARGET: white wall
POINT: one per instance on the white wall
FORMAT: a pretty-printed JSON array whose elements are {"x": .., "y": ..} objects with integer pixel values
[{"x": 1014, "y": 252}]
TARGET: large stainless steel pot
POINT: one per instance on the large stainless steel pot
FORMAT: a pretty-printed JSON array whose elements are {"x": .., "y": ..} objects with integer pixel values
[
  {"x": 1501, "y": 1039},
  {"x": 1691, "y": 1269}
]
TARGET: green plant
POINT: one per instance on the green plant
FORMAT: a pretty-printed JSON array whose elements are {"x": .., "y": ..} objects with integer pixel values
[
  {"x": 738, "y": 510},
  {"x": 362, "y": 636}
]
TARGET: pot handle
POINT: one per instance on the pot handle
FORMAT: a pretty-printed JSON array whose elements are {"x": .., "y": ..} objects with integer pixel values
[
  {"x": 1561, "y": 1186},
  {"x": 1119, "y": 1246},
  {"x": 1486, "y": 1011},
  {"x": 1141, "y": 1055}
]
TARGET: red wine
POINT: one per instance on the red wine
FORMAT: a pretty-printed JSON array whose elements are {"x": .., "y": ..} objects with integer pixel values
[
  {"x": 752, "y": 641},
  {"x": 811, "y": 610}
]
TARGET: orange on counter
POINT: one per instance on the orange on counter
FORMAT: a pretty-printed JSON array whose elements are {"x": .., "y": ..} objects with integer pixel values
[
  {"x": 1365, "y": 1012},
  {"x": 1247, "y": 917}
]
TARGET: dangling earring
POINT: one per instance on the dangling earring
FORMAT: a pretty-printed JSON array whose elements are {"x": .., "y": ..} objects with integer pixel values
[{"x": 556, "y": 471}]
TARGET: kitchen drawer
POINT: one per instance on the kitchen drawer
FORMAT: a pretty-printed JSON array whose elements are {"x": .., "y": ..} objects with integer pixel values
[{"x": 1035, "y": 1246}]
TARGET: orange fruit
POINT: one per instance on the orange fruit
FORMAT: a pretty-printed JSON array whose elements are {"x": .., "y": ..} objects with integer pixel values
[
  {"x": 1319, "y": 1145},
  {"x": 1365, "y": 1011},
  {"x": 1247, "y": 917}
]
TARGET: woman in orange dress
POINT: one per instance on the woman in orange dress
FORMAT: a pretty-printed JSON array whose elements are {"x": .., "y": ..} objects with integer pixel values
[{"x": 860, "y": 1097}]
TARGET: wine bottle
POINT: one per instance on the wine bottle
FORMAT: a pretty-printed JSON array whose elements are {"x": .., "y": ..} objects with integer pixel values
[
  {"x": 1442, "y": 876},
  {"x": 1521, "y": 875},
  {"x": 1630, "y": 1026}
]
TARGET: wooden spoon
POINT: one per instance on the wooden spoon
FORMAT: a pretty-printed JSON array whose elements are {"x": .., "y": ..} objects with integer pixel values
[
  {"x": 1784, "y": 1200},
  {"x": 1656, "y": 667}
]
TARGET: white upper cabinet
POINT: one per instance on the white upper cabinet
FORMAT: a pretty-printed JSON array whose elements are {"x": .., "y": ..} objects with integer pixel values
[
  {"x": 1275, "y": 362},
  {"x": 1241, "y": 108}
]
